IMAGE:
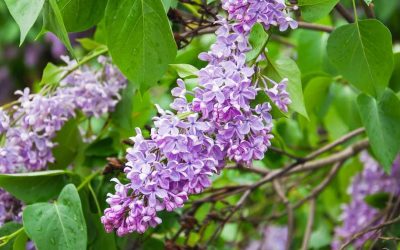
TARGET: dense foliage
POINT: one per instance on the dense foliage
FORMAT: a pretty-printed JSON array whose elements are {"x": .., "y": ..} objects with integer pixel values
[{"x": 200, "y": 124}]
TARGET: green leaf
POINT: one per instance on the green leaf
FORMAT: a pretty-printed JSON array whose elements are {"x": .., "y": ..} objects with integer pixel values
[
  {"x": 69, "y": 142},
  {"x": 89, "y": 44},
  {"x": 378, "y": 200},
  {"x": 185, "y": 70},
  {"x": 80, "y": 15},
  {"x": 312, "y": 10},
  {"x": 59, "y": 225},
  {"x": 362, "y": 52},
  {"x": 53, "y": 22},
  {"x": 368, "y": 1},
  {"x": 258, "y": 39},
  {"x": 287, "y": 68},
  {"x": 35, "y": 186},
  {"x": 140, "y": 39},
  {"x": 51, "y": 74},
  {"x": 134, "y": 110},
  {"x": 316, "y": 92},
  {"x": 381, "y": 120},
  {"x": 25, "y": 13}
]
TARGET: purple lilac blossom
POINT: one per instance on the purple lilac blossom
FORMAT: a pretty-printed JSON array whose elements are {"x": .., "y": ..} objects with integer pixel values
[
  {"x": 188, "y": 146},
  {"x": 357, "y": 215},
  {"x": 27, "y": 144}
]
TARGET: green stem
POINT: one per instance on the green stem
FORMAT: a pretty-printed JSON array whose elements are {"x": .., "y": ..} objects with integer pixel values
[
  {"x": 355, "y": 11},
  {"x": 85, "y": 60},
  {"x": 5, "y": 239},
  {"x": 96, "y": 201},
  {"x": 88, "y": 179}
]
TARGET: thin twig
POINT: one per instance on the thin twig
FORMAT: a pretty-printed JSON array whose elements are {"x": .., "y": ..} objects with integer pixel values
[
  {"x": 336, "y": 143},
  {"x": 368, "y": 9},
  {"x": 310, "y": 224},
  {"x": 344, "y": 13},
  {"x": 314, "y": 26},
  {"x": 233, "y": 211},
  {"x": 289, "y": 209}
]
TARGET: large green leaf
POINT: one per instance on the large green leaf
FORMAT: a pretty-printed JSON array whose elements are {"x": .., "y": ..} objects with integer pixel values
[
  {"x": 140, "y": 39},
  {"x": 80, "y": 15},
  {"x": 381, "y": 119},
  {"x": 287, "y": 68},
  {"x": 59, "y": 225},
  {"x": 312, "y": 10},
  {"x": 35, "y": 186},
  {"x": 53, "y": 21},
  {"x": 25, "y": 13},
  {"x": 362, "y": 52}
]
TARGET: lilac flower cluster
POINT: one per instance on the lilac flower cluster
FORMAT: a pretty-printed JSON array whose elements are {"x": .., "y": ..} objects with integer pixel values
[
  {"x": 27, "y": 129},
  {"x": 268, "y": 12},
  {"x": 358, "y": 215},
  {"x": 189, "y": 145}
]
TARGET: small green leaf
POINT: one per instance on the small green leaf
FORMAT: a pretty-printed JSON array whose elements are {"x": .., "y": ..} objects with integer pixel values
[
  {"x": 368, "y": 1},
  {"x": 89, "y": 44},
  {"x": 258, "y": 39},
  {"x": 35, "y": 186},
  {"x": 25, "y": 13},
  {"x": 287, "y": 68},
  {"x": 140, "y": 39},
  {"x": 381, "y": 119},
  {"x": 80, "y": 15},
  {"x": 59, "y": 225},
  {"x": 313, "y": 10},
  {"x": 378, "y": 200},
  {"x": 362, "y": 52},
  {"x": 53, "y": 21},
  {"x": 51, "y": 74},
  {"x": 185, "y": 70}
]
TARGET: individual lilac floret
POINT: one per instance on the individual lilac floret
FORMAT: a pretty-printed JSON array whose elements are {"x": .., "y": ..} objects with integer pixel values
[
  {"x": 187, "y": 146},
  {"x": 4, "y": 121},
  {"x": 279, "y": 95},
  {"x": 358, "y": 215}
]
